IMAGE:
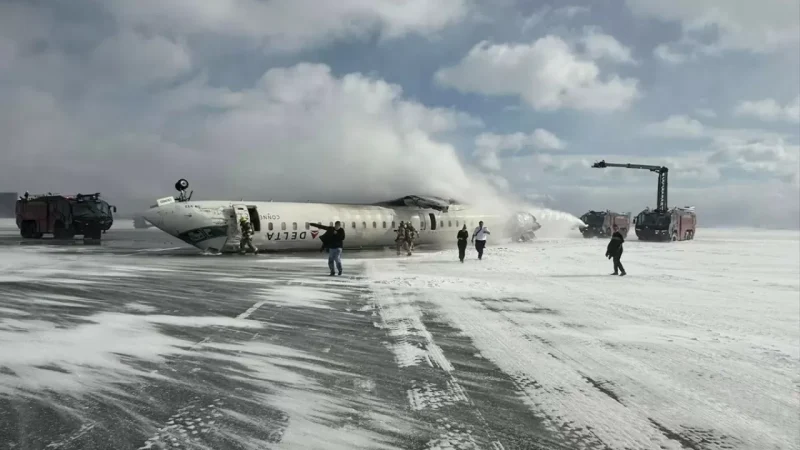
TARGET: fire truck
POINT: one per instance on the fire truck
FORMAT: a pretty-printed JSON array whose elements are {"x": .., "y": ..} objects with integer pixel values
[
  {"x": 63, "y": 216},
  {"x": 662, "y": 223},
  {"x": 600, "y": 223},
  {"x": 673, "y": 224}
]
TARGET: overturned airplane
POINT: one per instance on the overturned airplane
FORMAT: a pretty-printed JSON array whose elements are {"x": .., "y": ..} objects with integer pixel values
[{"x": 214, "y": 225}]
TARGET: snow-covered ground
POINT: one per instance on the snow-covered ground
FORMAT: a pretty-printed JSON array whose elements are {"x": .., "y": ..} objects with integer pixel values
[
  {"x": 697, "y": 347},
  {"x": 536, "y": 346}
]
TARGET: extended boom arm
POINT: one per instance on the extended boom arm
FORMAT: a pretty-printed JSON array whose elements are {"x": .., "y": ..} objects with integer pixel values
[{"x": 662, "y": 179}]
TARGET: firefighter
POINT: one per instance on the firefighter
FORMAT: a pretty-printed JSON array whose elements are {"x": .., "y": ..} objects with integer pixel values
[
  {"x": 462, "y": 236},
  {"x": 400, "y": 240},
  {"x": 247, "y": 233},
  {"x": 411, "y": 235},
  {"x": 614, "y": 250}
]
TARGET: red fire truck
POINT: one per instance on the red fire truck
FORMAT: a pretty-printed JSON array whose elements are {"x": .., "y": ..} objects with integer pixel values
[{"x": 63, "y": 216}]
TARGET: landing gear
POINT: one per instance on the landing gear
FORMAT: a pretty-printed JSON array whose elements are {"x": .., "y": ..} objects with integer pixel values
[{"x": 181, "y": 186}]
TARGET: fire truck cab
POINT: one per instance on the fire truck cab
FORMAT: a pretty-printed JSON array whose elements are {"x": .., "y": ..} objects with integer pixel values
[
  {"x": 674, "y": 224},
  {"x": 63, "y": 216},
  {"x": 601, "y": 223}
]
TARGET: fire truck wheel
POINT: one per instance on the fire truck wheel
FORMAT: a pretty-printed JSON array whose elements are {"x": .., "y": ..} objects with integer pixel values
[
  {"x": 93, "y": 233},
  {"x": 62, "y": 232},
  {"x": 26, "y": 230}
]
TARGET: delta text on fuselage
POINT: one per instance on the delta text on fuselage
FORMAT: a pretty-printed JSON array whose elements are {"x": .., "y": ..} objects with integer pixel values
[{"x": 284, "y": 226}]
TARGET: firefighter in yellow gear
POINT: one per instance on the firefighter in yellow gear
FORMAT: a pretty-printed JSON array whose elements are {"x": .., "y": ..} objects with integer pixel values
[{"x": 247, "y": 236}]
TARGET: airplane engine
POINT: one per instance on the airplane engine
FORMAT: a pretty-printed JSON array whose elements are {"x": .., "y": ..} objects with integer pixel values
[{"x": 522, "y": 226}]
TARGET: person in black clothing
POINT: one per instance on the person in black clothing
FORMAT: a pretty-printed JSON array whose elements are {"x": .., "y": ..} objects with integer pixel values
[
  {"x": 614, "y": 250},
  {"x": 462, "y": 237},
  {"x": 333, "y": 240}
]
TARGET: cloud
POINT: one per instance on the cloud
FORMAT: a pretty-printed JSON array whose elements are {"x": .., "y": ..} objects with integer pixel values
[
  {"x": 754, "y": 151},
  {"x": 732, "y": 182},
  {"x": 770, "y": 110},
  {"x": 547, "y": 12},
  {"x": 289, "y": 24},
  {"x": 548, "y": 74},
  {"x": 681, "y": 126},
  {"x": 676, "y": 126},
  {"x": 706, "y": 112},
  {"x": 599, "y": 45},
  {"x": 576, "y": 168},
  {"x": 775, "y": 158},
  {"x": 572, "y": 11},
  {"x": 664, "y": 53},
  {"x": 249, "y": 98},
  {"x": 332, "y": 134},
  {"x": 763, "y": 26},
  {"x": 131, "y": 58},
  {"x": 490, "y": 146}
]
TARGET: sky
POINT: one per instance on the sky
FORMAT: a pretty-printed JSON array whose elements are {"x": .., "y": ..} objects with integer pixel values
[{"x": 366, "y": 100}]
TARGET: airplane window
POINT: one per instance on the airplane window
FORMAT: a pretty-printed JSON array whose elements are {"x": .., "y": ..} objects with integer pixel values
[
  {"x": 374, "y": 224},
  {"x": 449, "y": 223},
  {"x": 441, "y": 223},
  {"x": 364, "y": 224},
  {"x": 308, "y": 226},
  {"x": 354, "y": 225},
  {"x": 384, "y": 224},
  {"x": 283, "y": 226},
  {"x": 456, "y": 223},
  {"x": 294, "y": 225},
  {"x": 393, "y": 225},
  {"x": 269, "y": 226}
]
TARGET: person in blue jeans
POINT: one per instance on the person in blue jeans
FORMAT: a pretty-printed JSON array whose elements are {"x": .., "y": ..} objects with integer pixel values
[{"x": 332, "y": 240}]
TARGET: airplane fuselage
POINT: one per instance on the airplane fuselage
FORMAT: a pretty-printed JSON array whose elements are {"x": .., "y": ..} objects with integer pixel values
[{"x": 214, "y": 225}]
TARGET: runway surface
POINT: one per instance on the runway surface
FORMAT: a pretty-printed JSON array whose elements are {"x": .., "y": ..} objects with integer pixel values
[{"x": 141, "y": 343}]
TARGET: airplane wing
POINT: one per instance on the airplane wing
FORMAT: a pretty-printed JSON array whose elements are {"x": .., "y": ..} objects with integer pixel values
[{"x": 425, "y": 202}]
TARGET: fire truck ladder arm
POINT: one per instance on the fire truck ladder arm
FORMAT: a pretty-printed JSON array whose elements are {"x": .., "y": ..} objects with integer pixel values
[{"x": 662, "y": 178}]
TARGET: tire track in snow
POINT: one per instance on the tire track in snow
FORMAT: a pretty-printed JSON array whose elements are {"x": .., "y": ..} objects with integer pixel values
[
  {"x": 713, "y": 432},
  {"x": 525, "y": 383},
  {"x": 186, "y": 426},
  {"x": 402, "y": 322},
  {"x": 552, "y": 388}
]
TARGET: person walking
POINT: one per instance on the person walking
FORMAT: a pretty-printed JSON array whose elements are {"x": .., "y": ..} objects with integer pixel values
[
  {"x": 462, "y": 236},
  {"x": 247, "y": 236},
  {"x": 614, "y": 250},
  {"x": 411, "y": 236},
  {"x": 334, "y": 242},
  {"x": 400, "y": 239},
  {"x": 479, "y": 238}
]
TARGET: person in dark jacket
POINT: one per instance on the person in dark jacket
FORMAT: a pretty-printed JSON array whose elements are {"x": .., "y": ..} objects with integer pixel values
[
  {"x": 462, "y": 237},
  {"x": 614, "y": 250},
  {"x": 333, "y": 241}
]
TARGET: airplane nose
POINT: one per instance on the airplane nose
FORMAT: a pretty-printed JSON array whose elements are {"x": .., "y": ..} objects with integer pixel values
[{"x": 152, "y": 215}]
